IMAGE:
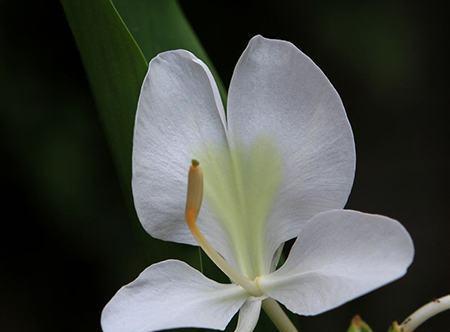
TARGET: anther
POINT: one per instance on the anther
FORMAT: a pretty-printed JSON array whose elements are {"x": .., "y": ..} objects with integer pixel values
[{"x": 194, "y": 194}]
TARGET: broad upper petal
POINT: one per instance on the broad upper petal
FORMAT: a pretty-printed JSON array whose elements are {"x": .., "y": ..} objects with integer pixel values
[
  {"x": 248, "y": 315},
  {"x": 179, "y": 117},
  {"x": 171, "y": 294},
  {"x": 277, "y": 93},
  {"x": 340, "y": 255}
]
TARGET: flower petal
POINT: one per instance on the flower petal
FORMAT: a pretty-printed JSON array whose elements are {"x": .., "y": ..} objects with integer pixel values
[
  {"x": 276, "y": 258},
  {"x": 278, "y": 93},
  {"x": 248, "y": 316},
  {"x": 171, "y": 294},
  {"x": 339, "y": 256},
  {"x": 179, "y": 114}
]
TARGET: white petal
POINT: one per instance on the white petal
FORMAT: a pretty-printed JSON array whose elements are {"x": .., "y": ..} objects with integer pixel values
[
  {"x": 276, "y": 258},
  {"x": 179, "y": 116},
  {"x": 278, "y": 93},
  {"x": 171, "y": 294},
  {"x": 339, "y": 256},
  {"x": 248, "y": 316}
]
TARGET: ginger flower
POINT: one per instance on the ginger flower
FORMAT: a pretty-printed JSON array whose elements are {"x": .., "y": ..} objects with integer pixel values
[{"x": 278, "y": 165}]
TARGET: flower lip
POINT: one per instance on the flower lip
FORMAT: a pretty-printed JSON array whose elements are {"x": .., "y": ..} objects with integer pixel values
[{"x": 276, "y": 92}]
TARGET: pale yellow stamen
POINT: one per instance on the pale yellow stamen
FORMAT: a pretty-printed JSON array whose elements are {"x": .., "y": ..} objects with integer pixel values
[{"x": 193, "y": 204}]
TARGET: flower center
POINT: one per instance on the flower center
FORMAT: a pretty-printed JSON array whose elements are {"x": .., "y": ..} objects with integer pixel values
[
  {"x": 193, "y": 204},
  {"x": 241, "y": 184}
]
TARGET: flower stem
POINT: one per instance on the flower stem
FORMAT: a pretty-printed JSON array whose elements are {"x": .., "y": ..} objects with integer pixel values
[
  {"x": 278, "y": 316},
  {"x": 424, "y": 313}
]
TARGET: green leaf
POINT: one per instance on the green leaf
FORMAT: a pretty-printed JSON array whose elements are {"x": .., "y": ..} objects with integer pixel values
[
  {"x": 115, "y": 66},
  {"x": 395, "y": 327},
  {"x": 159, "y": 26},
  {"x": 358, "y": 325},
  {"x": 116, "y": 40}
]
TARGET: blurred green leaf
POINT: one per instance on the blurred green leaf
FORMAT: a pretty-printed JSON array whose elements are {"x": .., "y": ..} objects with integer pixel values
[
  {"x": 394, "y": 327},
  {"x": 116, "y": 40},
  {"x": 358, "y": 325},
  {"x": 115, "y": 66}
]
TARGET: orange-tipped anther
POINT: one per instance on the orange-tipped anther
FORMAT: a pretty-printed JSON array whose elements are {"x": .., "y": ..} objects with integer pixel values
[{"x": 194, "y": 196}]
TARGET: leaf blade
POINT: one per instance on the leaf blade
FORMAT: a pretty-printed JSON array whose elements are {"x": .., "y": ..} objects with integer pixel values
[{"x": 116, "y": 65}]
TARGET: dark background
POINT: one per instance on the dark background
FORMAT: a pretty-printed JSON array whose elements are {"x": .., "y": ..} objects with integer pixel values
[{"x": 67, "y": 240}]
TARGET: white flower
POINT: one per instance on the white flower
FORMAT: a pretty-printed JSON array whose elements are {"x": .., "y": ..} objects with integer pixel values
[{"x": 279, "y": 165}]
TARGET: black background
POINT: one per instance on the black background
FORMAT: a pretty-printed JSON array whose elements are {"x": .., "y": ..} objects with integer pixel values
[{"x": 67, "y": 243}]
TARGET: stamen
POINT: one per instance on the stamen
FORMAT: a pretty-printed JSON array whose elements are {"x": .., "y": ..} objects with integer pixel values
[{"x": 193, "y": 204}]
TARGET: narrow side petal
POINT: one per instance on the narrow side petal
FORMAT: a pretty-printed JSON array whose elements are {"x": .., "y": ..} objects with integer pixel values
[
  {"x": 248, "y": 316},
  {"x": 340, "y": 255},
  {"x": 277, "y": 93},
  {"x": 171, "y": 294},
  {"x": 276, "y": 258},
  {"x": 179, "y": 116}
]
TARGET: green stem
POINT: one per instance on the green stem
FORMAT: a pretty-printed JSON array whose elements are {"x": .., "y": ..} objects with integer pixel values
[{"x": 278, "y": 316}]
